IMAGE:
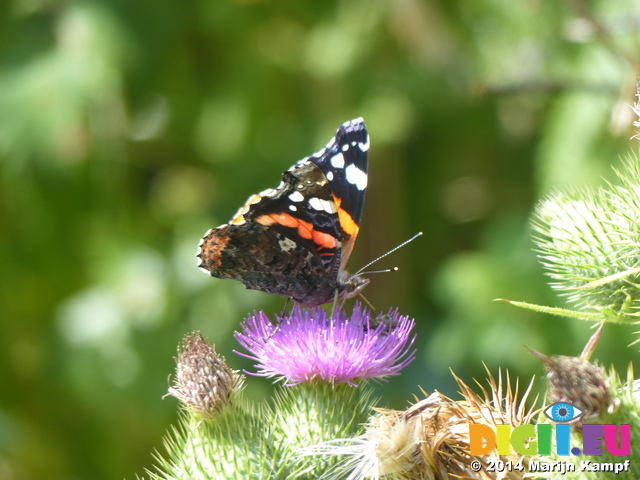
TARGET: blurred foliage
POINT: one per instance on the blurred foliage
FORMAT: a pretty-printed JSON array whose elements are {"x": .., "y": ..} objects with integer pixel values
[{"x": 129, "y": 128}]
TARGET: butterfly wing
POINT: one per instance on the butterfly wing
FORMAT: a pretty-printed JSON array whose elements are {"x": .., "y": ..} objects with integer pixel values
[
  {"x": 264, "y": 259},
  {"x": 344, "y": 162}
]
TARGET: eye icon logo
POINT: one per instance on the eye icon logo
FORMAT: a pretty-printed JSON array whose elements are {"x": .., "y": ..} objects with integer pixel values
[{"x": 562, "y": 412}]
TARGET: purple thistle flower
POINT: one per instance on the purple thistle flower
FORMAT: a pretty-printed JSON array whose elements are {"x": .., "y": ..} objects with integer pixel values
[{"x": 306, "y": 346}]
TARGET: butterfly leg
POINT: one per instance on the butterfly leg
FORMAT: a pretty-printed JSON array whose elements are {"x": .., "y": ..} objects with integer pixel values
[
  {"x": 286, "y": 306},
  {"x": 373, "y": 309},
  {"x": 333, "y": 306}
]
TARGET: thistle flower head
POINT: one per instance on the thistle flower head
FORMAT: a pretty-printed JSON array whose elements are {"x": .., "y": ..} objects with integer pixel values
[
  {"x": 203, "y": 381},
  {"x": 310, "y": 346}
]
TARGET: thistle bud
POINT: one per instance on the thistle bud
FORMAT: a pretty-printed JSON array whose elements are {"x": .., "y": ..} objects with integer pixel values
[
  {"x": 578, "y": 382},
  {"x": 203, "y": 381}
]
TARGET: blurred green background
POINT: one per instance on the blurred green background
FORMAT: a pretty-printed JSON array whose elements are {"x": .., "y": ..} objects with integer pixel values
[{"x": 130, "y": 127}]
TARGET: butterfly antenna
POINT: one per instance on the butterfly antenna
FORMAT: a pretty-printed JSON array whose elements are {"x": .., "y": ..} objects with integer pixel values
[
  {"x": 387, "y": 270},
  {"x": 395, "y": 269}
]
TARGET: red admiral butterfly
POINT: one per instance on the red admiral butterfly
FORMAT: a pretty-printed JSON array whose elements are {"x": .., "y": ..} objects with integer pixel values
[{"x": 296, "y": 240}]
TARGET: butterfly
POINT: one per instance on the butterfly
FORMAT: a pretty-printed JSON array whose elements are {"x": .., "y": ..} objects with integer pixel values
[{"x": 296, "y": 240}]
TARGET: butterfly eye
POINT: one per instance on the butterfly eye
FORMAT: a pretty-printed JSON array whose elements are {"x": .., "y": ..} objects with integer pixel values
[{"x": 562, "y": 412}]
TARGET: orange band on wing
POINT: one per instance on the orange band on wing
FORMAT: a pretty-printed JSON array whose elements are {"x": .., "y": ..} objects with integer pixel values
[
  {"x": 283, "y": 219},
  {"x": 324, "y": 240},
  {"x": 305, "y": 229},
  {"x": 348, "y": 225}
]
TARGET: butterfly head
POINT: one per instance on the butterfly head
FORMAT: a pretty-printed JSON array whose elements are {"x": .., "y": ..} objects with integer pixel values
[{"x": 351, "y": 285}]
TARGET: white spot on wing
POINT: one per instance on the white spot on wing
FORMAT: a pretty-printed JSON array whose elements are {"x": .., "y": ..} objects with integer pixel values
[
  {"x": 286, "y": 244},
  {"x": 329, "y": 176},
  {"x": 293, "y": 208},
  {"x": 315, "y": 203},
  {"x": 337, "y": 161},
  {"x": 356, "y": 177},
  {"x": 319, "y": 204},
  {"x": 365, "y": 146},
  {"x": 296, "y": 197}
]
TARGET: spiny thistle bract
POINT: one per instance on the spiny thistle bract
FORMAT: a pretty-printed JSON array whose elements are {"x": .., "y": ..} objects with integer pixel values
[
  {"x": 589, "y": 243},
  {"x": 263, "y": 442},
  {"x": 430, "y": 440}
]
